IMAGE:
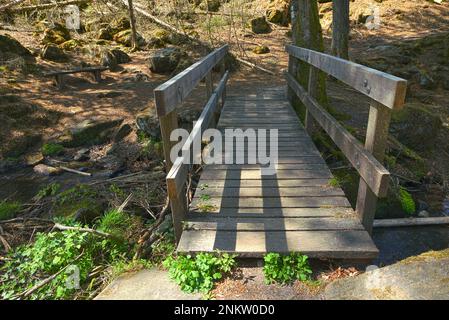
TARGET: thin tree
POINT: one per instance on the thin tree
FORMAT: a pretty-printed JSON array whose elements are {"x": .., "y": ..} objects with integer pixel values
[
  {"x": 340, "y": 28},
  {"x": 307, "y": 33},
  {"x": 132, "y": 21}
]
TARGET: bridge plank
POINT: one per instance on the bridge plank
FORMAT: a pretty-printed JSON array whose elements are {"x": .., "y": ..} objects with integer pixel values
[{"x": 351, "y": 244}]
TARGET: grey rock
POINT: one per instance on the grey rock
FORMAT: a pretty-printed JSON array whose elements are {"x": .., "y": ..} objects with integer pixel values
[
  {"x": 423, "y": 214},
  {"x": 122, "y": 132},
  {"x": 53, "y": 53},
  {"x": 90, "y": 132},
  {"x": 45, "y": 170},
  {"x": 422, "y": 277},
  {"x": 260, "y": 25},
  {"x": 164, "y": 60},
  {"x": 148, "y": 122},
  {"x": 82, "y": 155},
  {"x": 150, "y": 284}
]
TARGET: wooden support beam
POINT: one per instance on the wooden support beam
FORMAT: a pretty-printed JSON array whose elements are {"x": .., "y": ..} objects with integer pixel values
[
  {"x": 376, "y": 141},
  {"x": 369, "y": 168},
  {"x": 309, "y": 123},
  {"x": 168, "y": 123}
]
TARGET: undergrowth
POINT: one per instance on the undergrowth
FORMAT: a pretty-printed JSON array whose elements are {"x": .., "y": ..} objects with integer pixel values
[
  {"x": 286, "y": 269},
  {"x": 8, "y": 209},
  {"x": 198, "y": 273}
]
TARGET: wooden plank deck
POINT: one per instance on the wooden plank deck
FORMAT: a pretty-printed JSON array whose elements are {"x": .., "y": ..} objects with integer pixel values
[{"x": 237, "y": 209}]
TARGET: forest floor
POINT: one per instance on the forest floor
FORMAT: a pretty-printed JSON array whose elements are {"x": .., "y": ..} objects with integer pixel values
[{"x": 127, "y": 92}]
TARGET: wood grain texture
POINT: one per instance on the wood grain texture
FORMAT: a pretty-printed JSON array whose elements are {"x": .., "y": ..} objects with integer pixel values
[
  {"x": 380, "y": 86},
  {"x": 315, "y": 244},
  {"x": 172, "y": 92}
]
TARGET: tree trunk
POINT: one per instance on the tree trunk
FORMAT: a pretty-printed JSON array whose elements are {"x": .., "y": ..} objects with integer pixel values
[
  {"x": 132, "y": 21},
  {"x": 340, "y": 28},
  {"x": 307, "y": 33}
]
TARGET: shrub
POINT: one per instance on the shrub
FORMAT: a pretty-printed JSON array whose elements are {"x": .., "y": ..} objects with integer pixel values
[
  {"x": 52, "y": 253},
  {"x": 8, "y": 209},
  {"x": 197, "y": 274},
  {"x": 285, "y": 269},
  {"x": 52, "y": 149},
  {"x": 407, "y": 202}
]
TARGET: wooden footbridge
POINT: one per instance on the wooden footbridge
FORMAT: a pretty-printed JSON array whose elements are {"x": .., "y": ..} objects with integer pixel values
[{"x": 236, "y": 208}]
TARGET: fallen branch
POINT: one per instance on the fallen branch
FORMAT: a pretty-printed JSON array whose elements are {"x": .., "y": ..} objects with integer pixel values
[
  {"x": 252, "y": 65},
  {"x": 408, "y": 222},
  {"x": 48, "y": 5},
  {"x": 10, "y": 4},
  {"x": 79, "y": 229},
  {"x": 148, "y": 236},
  {"x": 179, "y": 32},
  {"x": 76, "y": 171},
  {"x": 47, "y": 280}
]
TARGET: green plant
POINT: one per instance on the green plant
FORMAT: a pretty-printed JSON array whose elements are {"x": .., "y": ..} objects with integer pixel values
[
  {"x": 333, "y": 182},
  {"x": 55, "y": 253},
  {"x": 205, "y": 197},
  {"x": 285, "y": 269},
  {"x": 52, "y": 149},
  {"x": 407, "y": 202},
  {"x": 197, "y": 274},
  {"x": 9, "y": 209},
  {"x": 50, "y": 190}
]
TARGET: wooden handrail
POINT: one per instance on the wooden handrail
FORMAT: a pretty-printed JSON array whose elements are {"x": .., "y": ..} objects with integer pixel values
[
  {"x": 385, "y": 88},
  {"x": 386, "y": 91},
  {"x": 178, "y": 173},
  {"x": 371, "y": 170},
  {"x": 172, "y": 92}
]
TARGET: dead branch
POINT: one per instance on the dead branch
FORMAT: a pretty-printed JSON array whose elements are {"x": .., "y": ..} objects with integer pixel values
[
  {"x": 48, "y": 5},
  {"x": 76, "y": 171},
  {"x": 10, "y": 4},
  {"x": 179, "y": 32},
  {"x": 47, "y": 280},
  {"x": 79, "y": 229},
  {"x": 148, "y": 237}
]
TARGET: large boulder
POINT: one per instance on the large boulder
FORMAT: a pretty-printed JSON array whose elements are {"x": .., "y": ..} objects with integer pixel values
[
  {"x": 164, "y": 60},
  {"x": 56, "y": 34},
  {"x": 10, "y": 46},
  {"x": 112, "y": 58},
  {"x": 90, "y": 132},
  {"x": 53, "y": 53},
  {"x": 125, "y": 38},
  {"x": 260, "y": 25},
  {"x": 416, "y": 126},
  {"x": 423, "y": 277},
  {"x": 278, "y": 12},
  {"x": 211, "y": 5}
]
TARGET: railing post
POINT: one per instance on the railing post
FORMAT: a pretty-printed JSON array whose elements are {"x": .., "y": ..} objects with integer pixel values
[
  {"x": 376, "y": 142},
  {"x": 292, "y": 69},
  {"x": 312, "y": 88},
  {"x": 178, "y": 206},
  {"x": 168, "y": 123},
  {"x": 209, "y": 84}
]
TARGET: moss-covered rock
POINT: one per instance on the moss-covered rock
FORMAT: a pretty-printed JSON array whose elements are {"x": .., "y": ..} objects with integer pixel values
[
  {"x": 260, "y": 25},
  {"x": 125, "y": 38},
  {"x": 211, "y": 5},
  {"x": 278, "y": 12},
  {"x": 90, "y": 132},
  {"x": 105, "y": 34},
  {"x": 112, "y": 58},
  {"x": 70, "y": 45},
  {"x": 53, "y": 53},
  {"x": 164, "y": 60},
  {"x": 56, "y": 34},
  {"x": 261, "y": 49},
  {"x": 416, "y": 126},
  {"x": 10, "y": 46}
]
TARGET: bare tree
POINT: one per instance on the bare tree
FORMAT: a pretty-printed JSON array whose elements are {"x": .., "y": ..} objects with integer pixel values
[
  {"x": 340, "y": 28},
  {"x": 132, "y": 21}
]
